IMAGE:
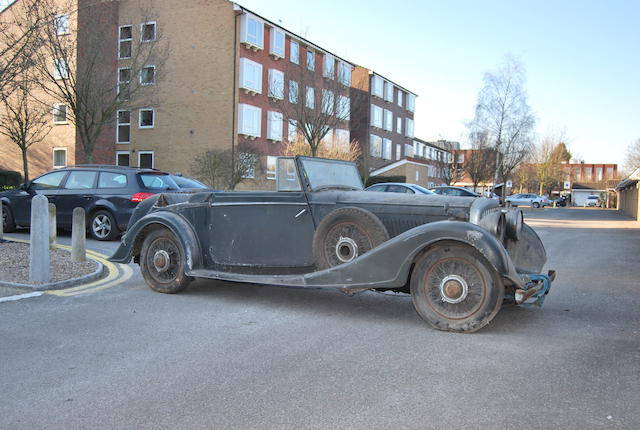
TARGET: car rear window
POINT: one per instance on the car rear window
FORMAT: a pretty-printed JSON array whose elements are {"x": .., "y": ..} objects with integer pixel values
[
  {"x": 158, "y": 181},
  {"x": 112, "y": 180}
]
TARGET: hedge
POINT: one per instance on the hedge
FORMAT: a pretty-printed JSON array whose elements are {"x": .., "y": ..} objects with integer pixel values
[{"x": 9, "y": 179}]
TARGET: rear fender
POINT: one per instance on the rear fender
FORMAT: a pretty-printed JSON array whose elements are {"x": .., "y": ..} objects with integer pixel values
[{"x": 132, "y": 240}]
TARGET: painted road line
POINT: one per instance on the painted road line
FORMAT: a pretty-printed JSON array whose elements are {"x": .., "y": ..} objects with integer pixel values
[
  {"x": 21, "y": 296},
  {"x": 127, "y": 273}
]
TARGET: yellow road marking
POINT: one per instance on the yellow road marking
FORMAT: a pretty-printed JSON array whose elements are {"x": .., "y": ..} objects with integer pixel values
[{"x": 86, "y": 289}]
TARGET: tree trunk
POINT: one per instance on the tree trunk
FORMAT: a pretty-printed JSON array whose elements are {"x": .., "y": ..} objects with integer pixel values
[{"x": 25, "y": 164}]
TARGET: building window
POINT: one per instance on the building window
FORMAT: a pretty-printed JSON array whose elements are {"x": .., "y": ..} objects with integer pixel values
[
  {"x": 388, "y": 120},
  {"x": 146, "y": 160},
  {"x": 399, "y": 98},
  {"x": 124, "y": 79},
  {"x": 386, "y": 149},
  {"x": 609, "y": 173},
  {"x": 417, "y": 176},
  {"x": 294, "y": 52},
  {"x": 148, "y": 75},
  {"x": 274, "y": 126},
  {"x": 292, "y": 131},
  {"x": 59, "y": 158},
  {"x": 342, "y": 139},
  {"x": 276, "y": 43},
  {"x": 343, "y": 108},
  {"x": 344, "y": 73},
  {"x": 60, "y": 69},
  {"x": 411, "y": 102},
  {"x": 250, "y": 76},
  {"x": 123, "y": 158},
  {"x": 375, "y": 146},
  {"x": 124, "y": 47},
  {"x": 328, "y": 66},
  {"x": 408, "y": 129},
  {"x": 248, "y": 163},
  {"x": 328, "y": 102},
  {"x": 146, "y": 118},
  {"x": 398, "y": 125},
  {"x": 249, "y": 120},
  {"x": 271, "y": 167},
  {"x": 293, "y": 92},
  {"x": 61, "y": 23},
  {"x": 408, "y": 150},
  {"x": 148, "y": 31},
  {"x": 276, "y": 84},
  {"x": 459, "y": 158},
  {"x": 388, "y": 91},
  {"x": 377, "y": 86},
  {"x": 587, "y": 173},
  {"x": 598, "y": 173},
  {"x": 310, "y": 99},
  {"x": 252, "y": 31},
  {"x": 376, "y": 116},
  {"x": 398, "y": 151},
  {"x": 311, "y": 61},
  {"x": 123, "y": 127},
  {"x": 59, "y": 113}
]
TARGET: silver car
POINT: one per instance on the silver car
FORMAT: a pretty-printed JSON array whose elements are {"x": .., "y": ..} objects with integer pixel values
[{"x": 533, "y": 200}]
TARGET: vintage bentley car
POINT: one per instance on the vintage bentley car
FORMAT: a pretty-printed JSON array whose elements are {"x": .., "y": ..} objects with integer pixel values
[{"x": 458, "y": 257}]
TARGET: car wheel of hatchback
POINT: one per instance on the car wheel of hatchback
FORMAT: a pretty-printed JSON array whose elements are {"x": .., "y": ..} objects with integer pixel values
[
  {"x": 102, "y": 226},
  {"x": 8, "y": 225},
  {"x": 535, "y": 205}
]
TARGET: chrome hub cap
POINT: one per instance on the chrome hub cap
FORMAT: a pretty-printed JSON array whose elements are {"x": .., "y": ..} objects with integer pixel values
[
  {"x": 453, "y": 289},
  {"x": 161, "y": 260},
  {"x": 346, "y": 249}
]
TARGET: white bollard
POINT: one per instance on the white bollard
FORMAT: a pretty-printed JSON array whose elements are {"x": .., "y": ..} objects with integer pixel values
[
  {"x": 53, "y": 228},
  {"x": 78, "y": 236},
  {"x": 39, "y": 258}
]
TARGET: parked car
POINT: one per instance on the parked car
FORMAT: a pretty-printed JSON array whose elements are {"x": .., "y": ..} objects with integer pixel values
[
  {"x": 108, "y": 194},
  {"x": 398, "y": 187},
  {"x": 189, "y": 184},
  {"x": 562, "y": 201},
  {"x": 446, "y": 190},
  {"x": 533, "y": 200},
  {"x": 458, "y": 258},
  {"x": 592, "y": 201}
]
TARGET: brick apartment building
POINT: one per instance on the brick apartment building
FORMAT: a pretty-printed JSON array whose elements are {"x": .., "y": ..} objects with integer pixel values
[{"x": 218, "y": 88}]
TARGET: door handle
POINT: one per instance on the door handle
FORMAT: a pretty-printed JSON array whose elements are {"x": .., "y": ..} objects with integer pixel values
[{"x": 300, "y": 213}]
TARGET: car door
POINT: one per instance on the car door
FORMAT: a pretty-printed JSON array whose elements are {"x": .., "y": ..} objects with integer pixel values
[
  {"x": 77, "y": 191},
  {"x": 47, "y": 185}
]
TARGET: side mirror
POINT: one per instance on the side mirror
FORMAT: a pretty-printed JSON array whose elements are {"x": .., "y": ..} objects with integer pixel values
[{"x": 25, "y": 186}]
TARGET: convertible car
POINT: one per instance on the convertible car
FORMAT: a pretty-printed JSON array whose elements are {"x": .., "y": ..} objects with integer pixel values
[{"x": 458, "y": 257}]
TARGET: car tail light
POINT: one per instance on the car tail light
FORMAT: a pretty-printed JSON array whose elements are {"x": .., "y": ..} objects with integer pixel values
[{"x": 138, "y": 197}]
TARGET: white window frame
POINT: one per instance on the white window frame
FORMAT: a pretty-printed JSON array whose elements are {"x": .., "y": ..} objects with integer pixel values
[
  {"x": 118, "y": 124},
  {"x": 58, "y": 69},
  {"x": 328, "y": 102},
  {"x": 271, "y": 174},
  {"x": 123, "y": 153},
  {"x": 155, "y": 31},
  {"x": 292, "y": 130},
  {"x": 411, "y": 102},
  {"x": 377, "y": 116},
  {"x": 63, "y": 29},
  {"x": 310, "y": 98},
  {"x": 251, "y": 174},
  {"x": 275, "y": 126},
  {"x": 55, "y": 108},
  {"x": 277, "y": 51},
  {"x": 388, "y": 120},
  {"x": 254, "y": 41},
  {"x": 399, "y": 124},
  {"x": 148, "y": 66},
  {"x": 53, "y": 155},
  {"x": 295, "y": 59},
  {"x": 344, "y": 73},
  {"x": 400, "y": 93},
  {"x": 121, "y": 83},
  {"x": 377, "y": 86},
  {"x": 311, "y": 65},
  {"x": 328, "y": 66},
  {"x": 408, "y": 150},
  {"x": 387, "y": 149},
  {"x": 276, "y": 84},
  {"x": 342, "y": 137},
  {"x": 375, "y": 146},
  {"x": 254, "y": 129},
  {"x": 398, "y": 151},
  {"x": 388, "y": 91},
  {"x": 343, "y": 107},
  {"x": 153, "y": 119},
  {"x": 408, "y": 127},
  {"x": 294, "y": 96},
  {"x": 120, "y": 40},
  {"x": 153, "y": 158},
  {"x": 253, "y": 71}
]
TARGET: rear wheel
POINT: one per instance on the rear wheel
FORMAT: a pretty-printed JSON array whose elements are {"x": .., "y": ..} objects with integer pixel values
[
  {"x": 162, "y": 262},
  {"x": 102, "y": 226},
  {"x": 454, "y": 288},
  {"x": 535, "y": 205},
  {"x": 8, "y": 224}
]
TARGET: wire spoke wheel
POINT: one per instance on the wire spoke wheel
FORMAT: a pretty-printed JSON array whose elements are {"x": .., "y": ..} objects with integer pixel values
[{"x": 162, "y": 262}]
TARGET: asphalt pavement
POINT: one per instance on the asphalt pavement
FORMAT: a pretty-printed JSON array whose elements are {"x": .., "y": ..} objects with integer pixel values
[{"x": 223, "y": 355}]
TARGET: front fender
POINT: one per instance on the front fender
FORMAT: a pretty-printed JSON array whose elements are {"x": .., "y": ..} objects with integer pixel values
[
  {"x": 183, "y": 231},
  {"x": 389, "y": 264}
]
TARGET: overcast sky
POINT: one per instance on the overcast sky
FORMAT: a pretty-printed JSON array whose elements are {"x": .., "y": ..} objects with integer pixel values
[{"x": 581, "y": 58}]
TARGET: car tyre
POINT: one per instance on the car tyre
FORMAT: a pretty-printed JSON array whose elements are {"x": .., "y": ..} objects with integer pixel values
[
  {"x": 454, "y": 288},
  {"x": 103, "y": 226},
  {"x": 8, "y": 224},
  {"x": 162, "y": 262},
  {"x": 346, "y": 233},
  {"x": 535, "y": 205}
]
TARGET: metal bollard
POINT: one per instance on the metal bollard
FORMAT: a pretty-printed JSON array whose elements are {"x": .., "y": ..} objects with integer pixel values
[
  {"x": 39, "y": 258},
  {"x": 78, "y": 236},
  {"x": 53, "y": 228}
]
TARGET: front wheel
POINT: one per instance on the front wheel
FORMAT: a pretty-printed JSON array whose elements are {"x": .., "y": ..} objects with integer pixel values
[
  {"x": 103, "y": 226},
  {"x": 162, "y": 262},
  {"x": 535, "y": 205},
  {"x": 454, "y": 288},
  {"x": 8, "y": 225}
]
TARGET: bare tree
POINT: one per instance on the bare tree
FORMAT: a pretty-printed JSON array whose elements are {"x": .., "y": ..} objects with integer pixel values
[
  {"x": 446, "y": 164},
  {"x": 480, "y": 162},
  {"x": 74, "y": 68},
  {"x": 215, "y": 167},
  {"x": 23, "y": 120},
  {"x": 632, "y": 157},
  {"x": 335, "y": 148},
  {"x": 503, "y": 113}
]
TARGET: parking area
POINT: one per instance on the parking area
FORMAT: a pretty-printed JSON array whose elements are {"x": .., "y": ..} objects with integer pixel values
[{"x": 229, "y": 355}]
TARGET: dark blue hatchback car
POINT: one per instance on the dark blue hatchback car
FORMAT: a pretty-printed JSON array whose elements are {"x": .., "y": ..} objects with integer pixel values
[{"x": 108, "y": 194}]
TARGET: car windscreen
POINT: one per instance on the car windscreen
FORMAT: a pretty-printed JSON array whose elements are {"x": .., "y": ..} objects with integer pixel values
[
  {"x": 158, "y": 181},
  {"x": 423, "y": 189},
  {"x": 331, "y": 174}
]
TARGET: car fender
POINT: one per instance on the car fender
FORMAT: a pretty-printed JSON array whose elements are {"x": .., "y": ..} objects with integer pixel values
[
  {"x": 132, "y": 239},
  {"x": 102, "y": 204}
]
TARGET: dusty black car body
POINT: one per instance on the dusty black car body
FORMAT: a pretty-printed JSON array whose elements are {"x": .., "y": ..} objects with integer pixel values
[{"x": 314, "y": 232}]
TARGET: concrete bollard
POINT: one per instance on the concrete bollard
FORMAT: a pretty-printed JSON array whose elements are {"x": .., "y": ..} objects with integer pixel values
[
  {"x": 53, "y": 227},
  {"x": 78, "y": 236},
  {"x": 39, "y": 258}
]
